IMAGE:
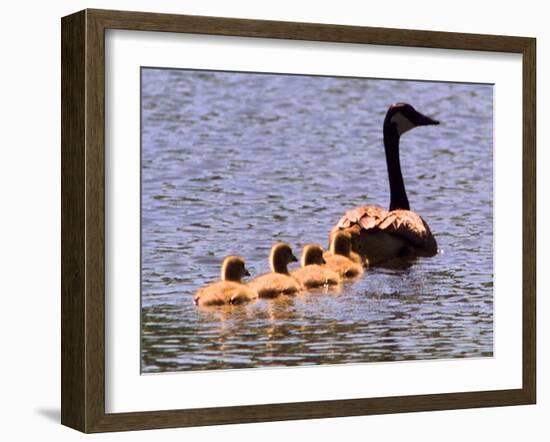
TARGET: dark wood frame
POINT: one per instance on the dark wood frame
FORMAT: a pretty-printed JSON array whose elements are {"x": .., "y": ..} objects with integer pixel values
[{"x": 83, "y": 217}]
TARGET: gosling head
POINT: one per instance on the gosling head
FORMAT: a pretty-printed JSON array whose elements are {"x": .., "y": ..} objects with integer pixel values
[
  {"x": 312, "y": 254},
  {"x": 402, "y": 117},
  {"x": 233, "y": 269},
  {"x": 341, "y": 243},
  {"x": 281, "y": 255}
]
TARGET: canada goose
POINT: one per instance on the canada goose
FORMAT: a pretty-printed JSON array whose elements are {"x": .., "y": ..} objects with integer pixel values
[
  {"x": 279, "y": 281},
  {"x": 229, "y": 290},
  {"x": 378, "y": 234},
  {"x": 338, "y": 258},
  {"x": 312, "y": 273}
]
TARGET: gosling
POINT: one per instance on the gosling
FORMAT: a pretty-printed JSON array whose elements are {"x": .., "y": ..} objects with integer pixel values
[
  {"x": 313, "y": 274},
  {"x": 354, "y": 256},
  {"x": 230, "y": 290},
  {"x": 278, "y": 281},
  {"x": 339, "y": 259}
]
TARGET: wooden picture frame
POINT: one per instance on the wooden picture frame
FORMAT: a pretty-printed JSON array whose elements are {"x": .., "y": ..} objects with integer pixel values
[{"x": 83, "y": 220}]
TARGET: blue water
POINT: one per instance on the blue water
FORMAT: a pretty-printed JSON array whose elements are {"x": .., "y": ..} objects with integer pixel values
[{"x": 232, "y": 162}]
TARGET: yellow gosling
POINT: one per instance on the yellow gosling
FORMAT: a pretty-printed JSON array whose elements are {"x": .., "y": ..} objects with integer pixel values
[
  {"x": 338, "y": 258},
  {"x": 313, "y": 274},
  {"x": 278, "y": 281},
  {"x": 230, "y": 290}
]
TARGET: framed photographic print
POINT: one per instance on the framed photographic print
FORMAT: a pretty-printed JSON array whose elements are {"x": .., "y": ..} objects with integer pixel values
[{"x": 268, "y": 220}]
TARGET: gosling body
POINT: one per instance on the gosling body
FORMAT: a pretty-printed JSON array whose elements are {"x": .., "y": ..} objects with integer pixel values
[
  {"x": 313, "y": 273},
  {"x": 230, "y": 290},
  {"x": 338, "y": 258},
  {"x": 278, "y": 281}
]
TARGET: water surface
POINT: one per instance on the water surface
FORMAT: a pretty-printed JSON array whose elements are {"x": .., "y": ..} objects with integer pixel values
[{"x": 232, "y": 162}]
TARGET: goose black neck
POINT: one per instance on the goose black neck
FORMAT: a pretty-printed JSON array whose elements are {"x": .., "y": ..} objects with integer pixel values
[{"x": 398, "y": 194}]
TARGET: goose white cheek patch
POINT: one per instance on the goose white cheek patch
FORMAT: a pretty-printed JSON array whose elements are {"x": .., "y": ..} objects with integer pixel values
[{"x": 402, "y": 123}]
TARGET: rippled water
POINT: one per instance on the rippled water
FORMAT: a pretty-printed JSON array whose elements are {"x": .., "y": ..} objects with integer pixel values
[{"x": 233, "y": 162}]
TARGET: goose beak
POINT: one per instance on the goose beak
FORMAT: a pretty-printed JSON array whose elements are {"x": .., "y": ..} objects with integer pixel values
[
  {"x": 293, "y": 258},
  {"x": 323, "y": 261},
  {"x": 423, "y": 120},
  {"x": 246, "y": 272}
]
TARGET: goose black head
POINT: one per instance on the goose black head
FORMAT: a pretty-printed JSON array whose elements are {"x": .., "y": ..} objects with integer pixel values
[{"x": 403, "y": 117}]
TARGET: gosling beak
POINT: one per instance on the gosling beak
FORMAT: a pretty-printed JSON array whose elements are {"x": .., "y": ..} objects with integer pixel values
[
  {"x": 246, "y": 272},
  {"x": 293, "y": 258},
  {"x": 423, "y": 120},
  {"x": 323, "y": 261}
]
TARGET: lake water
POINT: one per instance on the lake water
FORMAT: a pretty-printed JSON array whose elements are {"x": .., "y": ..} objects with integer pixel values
[{"x": 232, "y": 162}]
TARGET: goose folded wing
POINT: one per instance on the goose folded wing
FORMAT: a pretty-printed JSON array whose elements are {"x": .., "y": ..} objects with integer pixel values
[
  {"x": 367, "y": 217},
  {"x": 411, "y": 227}
]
